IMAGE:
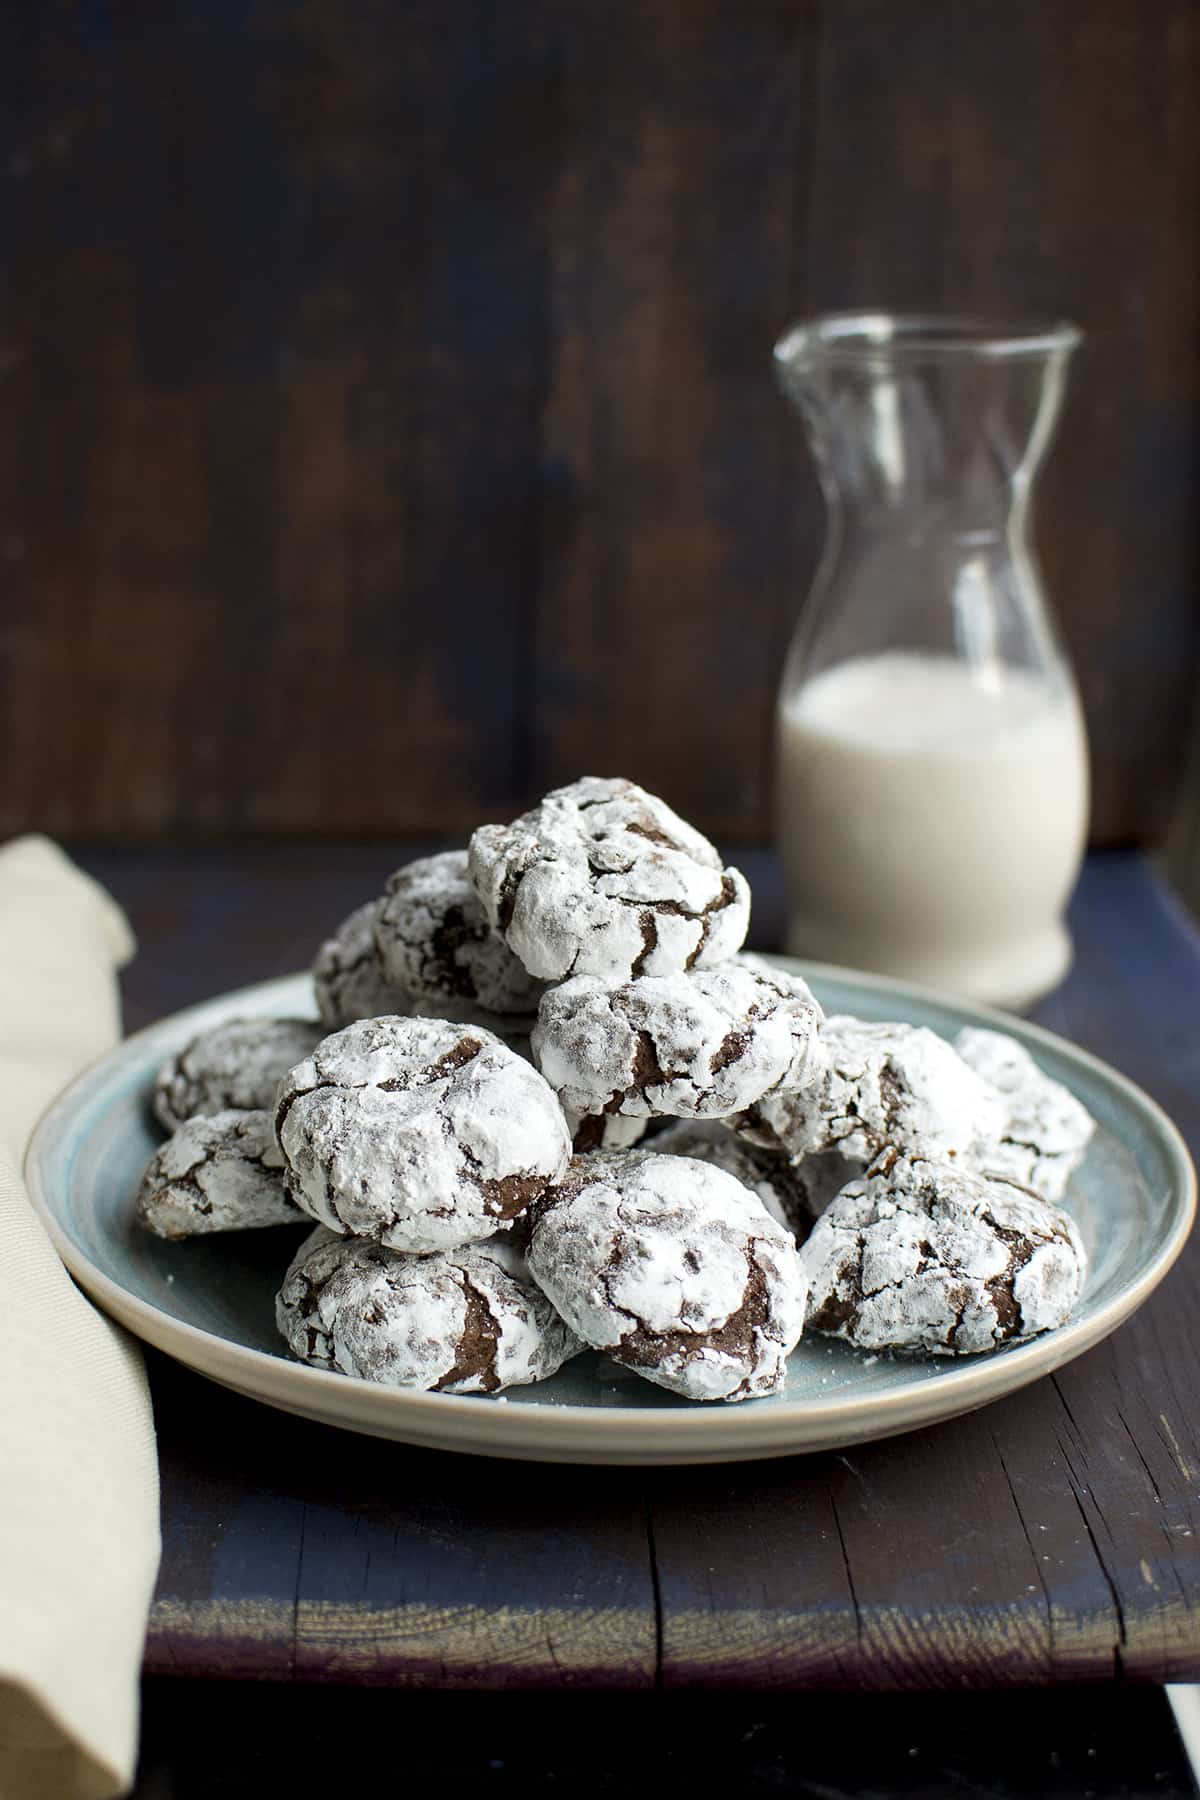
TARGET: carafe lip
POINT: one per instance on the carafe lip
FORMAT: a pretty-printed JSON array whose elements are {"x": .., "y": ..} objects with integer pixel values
[{"x": 881, "y": 339}]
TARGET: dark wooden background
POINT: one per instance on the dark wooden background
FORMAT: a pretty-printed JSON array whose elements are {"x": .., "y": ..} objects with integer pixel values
[{"x": 386, "y": 423}]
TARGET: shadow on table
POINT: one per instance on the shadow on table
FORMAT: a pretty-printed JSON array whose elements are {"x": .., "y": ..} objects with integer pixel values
[{"x": 248, "y": 1741}]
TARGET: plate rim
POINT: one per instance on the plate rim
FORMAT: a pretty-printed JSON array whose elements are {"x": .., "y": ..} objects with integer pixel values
[{"x": 776, "y": 1429}]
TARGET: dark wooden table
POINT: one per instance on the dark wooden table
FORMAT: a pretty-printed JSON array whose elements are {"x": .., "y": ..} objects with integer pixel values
[{"x": 1051, "y": 1538}]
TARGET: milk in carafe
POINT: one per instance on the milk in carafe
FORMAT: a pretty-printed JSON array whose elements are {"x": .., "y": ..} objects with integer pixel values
[{"x": 932, "y": 818}]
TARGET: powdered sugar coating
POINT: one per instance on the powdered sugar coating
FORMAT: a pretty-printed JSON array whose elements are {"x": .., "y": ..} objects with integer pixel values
[
  {"x": 513, "y": 1029},
  {"x": 421, "y": 1134},
  {"x": 603, "y": 1131},
  {"x": 1046, "y": 1130},
  {"x": 888, "y": 1084},
  {"x": 701, "y": 1045},
  {"x": 234, "y": 1066},
  {"x": 434, "y": 940},
  {"x": 774, "y": 1180},
  {"x": 675, "y": 1270},
  {"x": 466, "y": 1321},
  {"x": 604, "y": 879},
  {"x": 347, "y": 974},
  {"x": 222, "y": 1173},
  {"x": 926, "y": 1256}
]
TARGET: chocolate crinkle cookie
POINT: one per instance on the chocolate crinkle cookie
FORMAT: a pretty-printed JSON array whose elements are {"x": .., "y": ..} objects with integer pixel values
[
  {"x": 514, "y": 1030},
  {"x": 603, "y": 1131},
  {"x": 675, "y": 1270},
  {"x": 604, "y": 879},
  {"x": 222, "y": 1173},
  {"x": 348, "y": 976},
  {"x": 699, "y": 1046},
  {"x": 883, "y": 1085},
  {"x": 1046, "y": 1130},
  {"x": 435, "y": 942},
  {"x": 921, "y": 1256},
  {"x": 793, "y": 1193},
  {"x": 466, "y": 1321},
  {"x": 235, "y": 1066},
  {"x": 421, "y": 1134}
]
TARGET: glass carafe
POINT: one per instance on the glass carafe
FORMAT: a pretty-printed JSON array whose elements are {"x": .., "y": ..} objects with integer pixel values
[{"x": 932, "y": 781}]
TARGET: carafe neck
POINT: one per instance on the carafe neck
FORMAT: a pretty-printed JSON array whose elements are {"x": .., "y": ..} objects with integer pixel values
[{"x": 927, "y": 428}]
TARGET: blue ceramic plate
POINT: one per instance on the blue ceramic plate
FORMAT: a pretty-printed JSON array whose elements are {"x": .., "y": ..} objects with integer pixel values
[{"x": 209, "y": 1302}]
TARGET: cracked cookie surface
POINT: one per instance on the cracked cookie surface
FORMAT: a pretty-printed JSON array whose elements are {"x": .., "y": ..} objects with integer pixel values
[
  {"x": 235, "y": 1065},
  {"x": 467, "y": 1321},
  {"x": 675, "y": 1270},
  {"x": 702, "y": 1045},
  {"x": 793, "y": 1193},
  {"x": 222, "y": 1173},
  {"x": 1046, "y": 1130},
  {"x": 435, "y": 941},
  {"x": 513, "y": 1029},
  {"x": 348, "y": 976},
  {"x": 891, "y": 1084},
  {"x": 421, "y": 1134},
  {"x": 920, "y": 1256},
  {"x": 604, "y": 879},
  {"x": 603, "y": 1131}
]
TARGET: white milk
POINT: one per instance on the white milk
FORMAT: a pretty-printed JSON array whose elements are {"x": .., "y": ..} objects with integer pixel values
[{"x": 932, "y": 820}]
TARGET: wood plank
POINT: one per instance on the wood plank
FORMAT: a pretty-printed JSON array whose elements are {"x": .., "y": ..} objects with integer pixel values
[
  {"x": 210, "y": 920},
  {"x": 295, "y": 1552},
  {"x": 275, "y": 346},
  {"x": 388, "y": 429},
  {"x": 670, "y": 581},
  {"x": 954, "y": 1574},
  {"x": 1043, "y": 161},
  {"x": 1051, "y": 1537}
]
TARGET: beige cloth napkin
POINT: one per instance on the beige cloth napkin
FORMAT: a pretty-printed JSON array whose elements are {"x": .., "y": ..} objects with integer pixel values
[{"x": 78, "y": 1475}]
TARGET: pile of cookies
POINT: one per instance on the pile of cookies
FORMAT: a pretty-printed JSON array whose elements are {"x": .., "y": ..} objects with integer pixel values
[{"x": 550, "y": 1104}]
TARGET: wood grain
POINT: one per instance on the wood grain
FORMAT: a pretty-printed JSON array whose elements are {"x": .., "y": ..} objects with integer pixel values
[
  {"x": 339, "y": 1559},
  {"x": 386, "y": 427},
  {"x": 385, "y": 420},
  {"x": 1052, "y": 1537},
  {"x": 1040, "y": 161},
  {"x": 667, "y": 600}
]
